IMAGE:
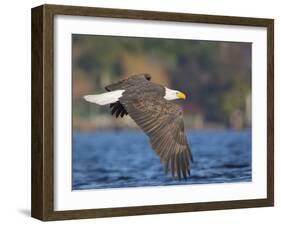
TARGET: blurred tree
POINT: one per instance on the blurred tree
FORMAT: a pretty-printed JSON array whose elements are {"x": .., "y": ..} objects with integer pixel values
[{"x": 215, "y": 75}]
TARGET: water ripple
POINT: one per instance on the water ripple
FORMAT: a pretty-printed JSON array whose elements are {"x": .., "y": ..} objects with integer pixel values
[{"x": 125, "y": 159}]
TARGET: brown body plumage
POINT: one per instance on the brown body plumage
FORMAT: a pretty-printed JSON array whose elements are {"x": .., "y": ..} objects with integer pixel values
[{"x": 160, "y": 119}]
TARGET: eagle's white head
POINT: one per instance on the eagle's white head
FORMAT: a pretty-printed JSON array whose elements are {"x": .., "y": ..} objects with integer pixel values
[{"x": 171, "y": 94}]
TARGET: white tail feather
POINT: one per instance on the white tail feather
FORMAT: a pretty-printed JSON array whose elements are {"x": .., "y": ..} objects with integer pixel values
[{"x": 104, "y": 98}]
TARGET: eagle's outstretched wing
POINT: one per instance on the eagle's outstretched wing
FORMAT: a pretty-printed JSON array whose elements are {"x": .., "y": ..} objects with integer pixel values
[{"x": 163, "y": 122}]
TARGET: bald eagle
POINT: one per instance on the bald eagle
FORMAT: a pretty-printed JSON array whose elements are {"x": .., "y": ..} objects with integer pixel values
[{"x": 148, "y": 104}]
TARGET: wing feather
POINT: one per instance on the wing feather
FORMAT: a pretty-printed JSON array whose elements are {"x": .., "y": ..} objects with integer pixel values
[
  {"x": 127, "y": 82},
  {"x": 163, "y": 122}
]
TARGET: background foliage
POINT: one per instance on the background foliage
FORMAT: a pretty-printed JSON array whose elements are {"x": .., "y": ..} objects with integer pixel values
[{"x": 216, "y": 76}]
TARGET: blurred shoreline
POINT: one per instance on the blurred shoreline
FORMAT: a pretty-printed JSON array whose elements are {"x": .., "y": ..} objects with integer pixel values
[{"x": 103, "y": 122}]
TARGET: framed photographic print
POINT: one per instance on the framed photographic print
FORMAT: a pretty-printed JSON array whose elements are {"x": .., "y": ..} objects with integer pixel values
[{"x": 141, "y": 112}]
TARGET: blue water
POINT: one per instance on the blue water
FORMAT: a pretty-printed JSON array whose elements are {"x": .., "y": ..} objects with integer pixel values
[{"x": 125, "y": 159}]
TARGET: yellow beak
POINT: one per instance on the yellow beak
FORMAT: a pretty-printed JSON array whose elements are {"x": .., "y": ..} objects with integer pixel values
[{"x": 181, "y": 95}]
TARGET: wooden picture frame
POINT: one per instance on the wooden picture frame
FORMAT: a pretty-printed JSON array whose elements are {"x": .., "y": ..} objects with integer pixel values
[{"x": 42, "y": 204}]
